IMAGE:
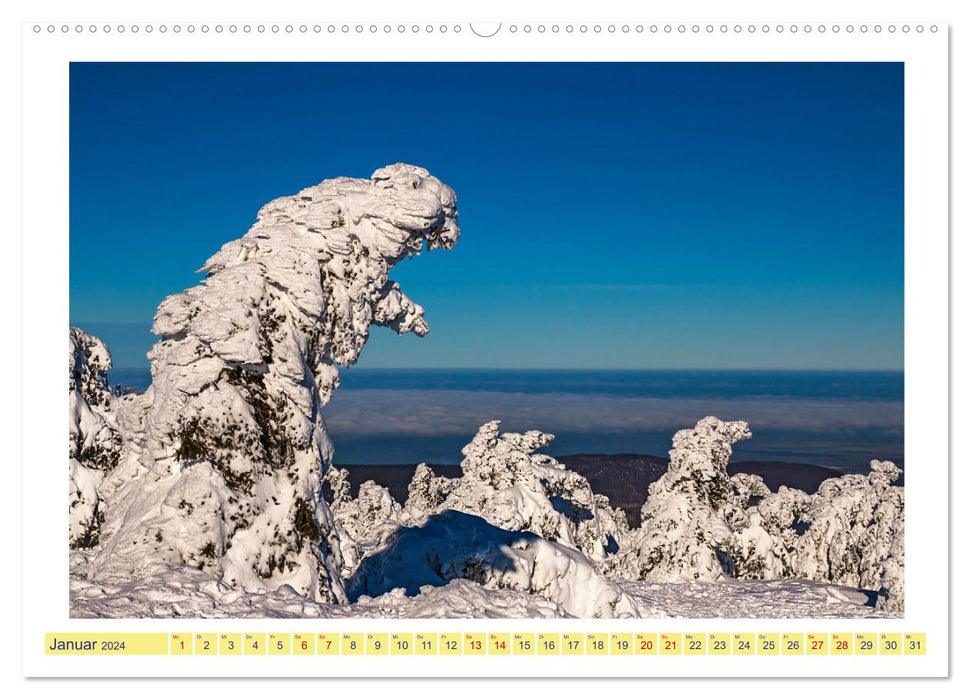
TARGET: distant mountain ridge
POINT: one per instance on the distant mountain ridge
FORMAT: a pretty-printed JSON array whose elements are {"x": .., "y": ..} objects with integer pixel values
[{"x": 623, "y": 478}]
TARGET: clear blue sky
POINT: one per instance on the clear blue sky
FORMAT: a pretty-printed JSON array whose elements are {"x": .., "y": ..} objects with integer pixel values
[{"x": 613, "y": 215}]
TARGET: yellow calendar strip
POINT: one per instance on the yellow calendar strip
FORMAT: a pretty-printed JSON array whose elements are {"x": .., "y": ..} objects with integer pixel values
[
  {"x": 474, "y": 644},
  {"x": 70, "y": 644},
  {"x": 597, "y": 644},
  {"x": 719, "y": 644},
  {"x": 865, "y": 644},
  {"x": 495, "y": 643},
  {"x": 450, "y": 644},
  {"x": 254, "y": 643},
  {"x": 841, "y": 643},
  {"x": 377, "y": 644},
  {"x": 571, "y": 643},
  {"x": 743, "y": 644},
  {"x": 768, "y": 643},
  {"x": 278, "y": 643},
  {"x": 793, "y": 644},
  {"x": 817, "y": 643},
  {"x": 352, "y": 644},
  {"x": 891, "y": 644}
]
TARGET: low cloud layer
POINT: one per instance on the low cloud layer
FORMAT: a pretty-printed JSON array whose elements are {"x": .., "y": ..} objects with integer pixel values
[{"x": 437, "y": 413}]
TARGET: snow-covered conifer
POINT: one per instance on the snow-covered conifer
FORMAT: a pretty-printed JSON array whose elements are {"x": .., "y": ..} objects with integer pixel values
[
  {"x": 855, "y": 532},
  {"x": 506, "y": 482},
  {"x": 226, "y": 453},
  {"x": 94, "y": 442},
  {"x": 426, "y": 491},
  {"x": 684, "y": 534},
  {"x": 373, "y": 506}
]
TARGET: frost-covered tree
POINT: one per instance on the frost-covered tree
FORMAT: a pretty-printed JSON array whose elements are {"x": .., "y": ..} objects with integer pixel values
[
  {"x": 699, "y": 524},
  {"x": 506, "y": 482},
  {"x": 373, "y": 506},
  {"x": 850, "y": 532},
  {"x": 225, "y": 454},
  {"x": 762, "y": 523},
  {"x": 340, "y": 486},
  {"x": 854, "y": 534},
  {"x": 514, "y": 519},
  {"x": 765, "y": 535},
  {"x": 94, "y": 442},
  {"x": 426, "y": 490},
  {"x": 684, "y": 534}
]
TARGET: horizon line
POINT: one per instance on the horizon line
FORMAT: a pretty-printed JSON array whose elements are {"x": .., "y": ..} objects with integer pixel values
[{"x": 599, "y": 369}]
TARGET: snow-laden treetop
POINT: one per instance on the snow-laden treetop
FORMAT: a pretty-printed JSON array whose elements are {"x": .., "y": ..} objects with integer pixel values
[
  {"x": 329, "y": 247},
  {"x": 295, "y": 297}
]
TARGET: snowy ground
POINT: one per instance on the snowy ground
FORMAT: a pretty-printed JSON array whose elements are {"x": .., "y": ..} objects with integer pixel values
[
  {"x": 763, "y": 599},
  {"x": 172, "y": 591},
  {"x": 187, "y": 592}
]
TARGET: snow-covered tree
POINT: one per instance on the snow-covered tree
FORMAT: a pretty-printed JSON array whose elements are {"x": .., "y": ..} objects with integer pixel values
[
  {"x": 426, "y": 491},
  {"x": 513, "y": 520},
  {"x": 684, "y": 534},
  {"x": 506, "y": 482},
  {"x": 764, "y": 532},
  {"x": 699, "y": 524},
  {"x": 94, "y": 443},
  {"x": 854, "y": 534},
  {"x": 340, "y": 486},
  {"x": 373, "y": 506},
  {"x": 225, "y": 454}
]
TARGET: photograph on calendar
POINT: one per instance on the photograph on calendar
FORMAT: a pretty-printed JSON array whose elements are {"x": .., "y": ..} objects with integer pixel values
[{"x": 658, "y": 374}]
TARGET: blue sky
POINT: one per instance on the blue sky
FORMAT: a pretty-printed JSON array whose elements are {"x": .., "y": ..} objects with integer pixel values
[{"x": 613, "y": 215}]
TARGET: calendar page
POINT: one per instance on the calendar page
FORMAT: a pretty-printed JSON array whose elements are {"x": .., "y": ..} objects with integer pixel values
[{"x": 511, "y": 349}]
